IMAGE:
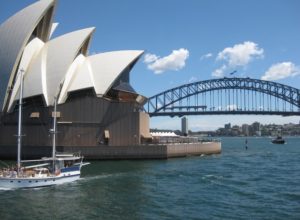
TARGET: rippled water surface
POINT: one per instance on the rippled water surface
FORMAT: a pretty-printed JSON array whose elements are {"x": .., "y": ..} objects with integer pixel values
[{"x": 262, "y": 182}]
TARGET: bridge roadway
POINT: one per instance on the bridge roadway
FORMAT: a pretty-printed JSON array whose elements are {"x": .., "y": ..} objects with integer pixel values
[{"x": 183, "y": 113}]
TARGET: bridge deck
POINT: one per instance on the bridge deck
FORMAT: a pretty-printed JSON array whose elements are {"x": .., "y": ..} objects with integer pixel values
[{"x": 182, "y": 113}]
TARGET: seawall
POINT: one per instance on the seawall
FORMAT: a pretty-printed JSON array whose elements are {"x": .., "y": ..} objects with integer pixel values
[{"x": 150, "y": 151}]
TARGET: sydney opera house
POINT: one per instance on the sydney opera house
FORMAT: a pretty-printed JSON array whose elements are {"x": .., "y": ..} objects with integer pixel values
[
  {"x": 99, "y": 113},
  {"x": 96, "y": 104}
]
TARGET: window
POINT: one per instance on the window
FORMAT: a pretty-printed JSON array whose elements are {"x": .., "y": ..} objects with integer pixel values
[
  {"x": 106, "y": 134},
  {"x": 57, "y": 114},
  {"x": 34, "y": 115}
]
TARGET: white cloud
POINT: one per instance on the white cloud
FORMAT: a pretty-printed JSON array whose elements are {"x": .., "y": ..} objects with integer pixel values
[
  {"x": 219, "y": 72},
  {"x": 241, "y": 54},
  {"x": 193, "y": 79},
  {"x": 149, "y": 58},
  {"x": 174, "y": 61},
  {"x": 206, "y": 56},
  {"x": 237, "y": 56},
  {"x": 281, "y": 71}
]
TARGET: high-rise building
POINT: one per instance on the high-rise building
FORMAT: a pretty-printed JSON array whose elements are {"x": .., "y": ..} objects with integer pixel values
[
  {"x": 256, "y": 128},
  {"x": 227, "y": 126},
  {"x": 245, "y": 129},
  {"x": 184, "y": 126}
]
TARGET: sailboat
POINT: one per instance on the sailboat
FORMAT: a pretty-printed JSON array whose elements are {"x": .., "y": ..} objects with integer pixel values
[{"x": 47, "y": 171}]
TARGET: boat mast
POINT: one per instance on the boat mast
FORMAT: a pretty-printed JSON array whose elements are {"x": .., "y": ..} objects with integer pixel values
[
  {"x": 20, "y": 122},
  {"x": 54, "y": 130},
  {"x": 55, "y": 127}
]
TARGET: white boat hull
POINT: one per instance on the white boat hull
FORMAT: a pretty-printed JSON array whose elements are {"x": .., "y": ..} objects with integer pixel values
[{"x": 12, "y": 183}]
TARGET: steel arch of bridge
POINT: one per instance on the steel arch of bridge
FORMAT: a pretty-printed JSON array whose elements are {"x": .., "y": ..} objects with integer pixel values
[{"x": 169, "y": 102}]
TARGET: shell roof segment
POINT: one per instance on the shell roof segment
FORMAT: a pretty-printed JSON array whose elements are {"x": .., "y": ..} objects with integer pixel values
[
  {"x": 53, "y": 63},
  {"x": 108, "y": 67},
  {"x": 15, "y": 33},
  {"x": 100, "y": 72}
]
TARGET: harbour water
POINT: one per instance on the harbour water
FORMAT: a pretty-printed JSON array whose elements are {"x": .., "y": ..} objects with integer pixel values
[{"x": 262, "y": 182}]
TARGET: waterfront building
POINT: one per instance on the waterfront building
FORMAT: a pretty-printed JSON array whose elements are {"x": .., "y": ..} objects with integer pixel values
[
  {"x": 97, "y": 106},
  {"x": 245, "y": 129},
  {"x": 227, "y": 126},
  {"x": 235, "y": 130},
  {"x": 256, "y": 128}
]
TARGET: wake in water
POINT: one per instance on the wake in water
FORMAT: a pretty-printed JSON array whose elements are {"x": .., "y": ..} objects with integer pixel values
[
  {"x": 211, "y": 176},
  {"x": 102, "y": 176},
  {"x": 81, "y": 180},
  {"x": 6, "y": 189}
]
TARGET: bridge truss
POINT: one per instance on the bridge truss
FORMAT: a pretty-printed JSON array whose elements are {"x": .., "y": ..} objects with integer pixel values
[{"x": 226, "y": 96}]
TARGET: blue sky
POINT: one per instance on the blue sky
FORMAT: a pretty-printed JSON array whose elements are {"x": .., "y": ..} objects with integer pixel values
[{"x": 191, "y": 40}]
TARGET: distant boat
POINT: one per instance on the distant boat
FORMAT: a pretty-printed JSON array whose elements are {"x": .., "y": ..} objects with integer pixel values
[
  {"x": 278, "y": 140},
  {"x": 47, "y": 171}
]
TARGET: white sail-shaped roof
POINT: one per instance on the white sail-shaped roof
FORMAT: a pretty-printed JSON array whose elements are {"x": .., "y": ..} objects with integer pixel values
[
  {"x": 34, "y": 20},
  {"x": 48, "y": 70},
  {"x": 100, "y": 72},
  {"x": 53, "y": 28},
  {"x": 31, "y": 51},
  {"x": 107, "y": 67},
  {"x": 82, "y": 81}
]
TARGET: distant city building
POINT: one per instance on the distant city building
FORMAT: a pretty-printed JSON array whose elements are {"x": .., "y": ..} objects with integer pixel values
[
  {"x": 245, "y": 129},
  {"x": 256, "y": 128},
  {"x": 235, "y": 130},
  {"x": 184, "y": 126},
  {"x": 227, "y": 126}
]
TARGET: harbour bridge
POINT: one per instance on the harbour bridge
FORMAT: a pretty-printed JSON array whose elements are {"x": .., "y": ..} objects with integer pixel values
[{"x": 226, "y": 96}]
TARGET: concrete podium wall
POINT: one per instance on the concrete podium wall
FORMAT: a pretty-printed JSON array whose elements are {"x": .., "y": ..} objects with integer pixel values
[
  {"x": 147, "y": 151},
  {"x": 118, "y": 152},
  {"x": 186, "y": 149}
]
